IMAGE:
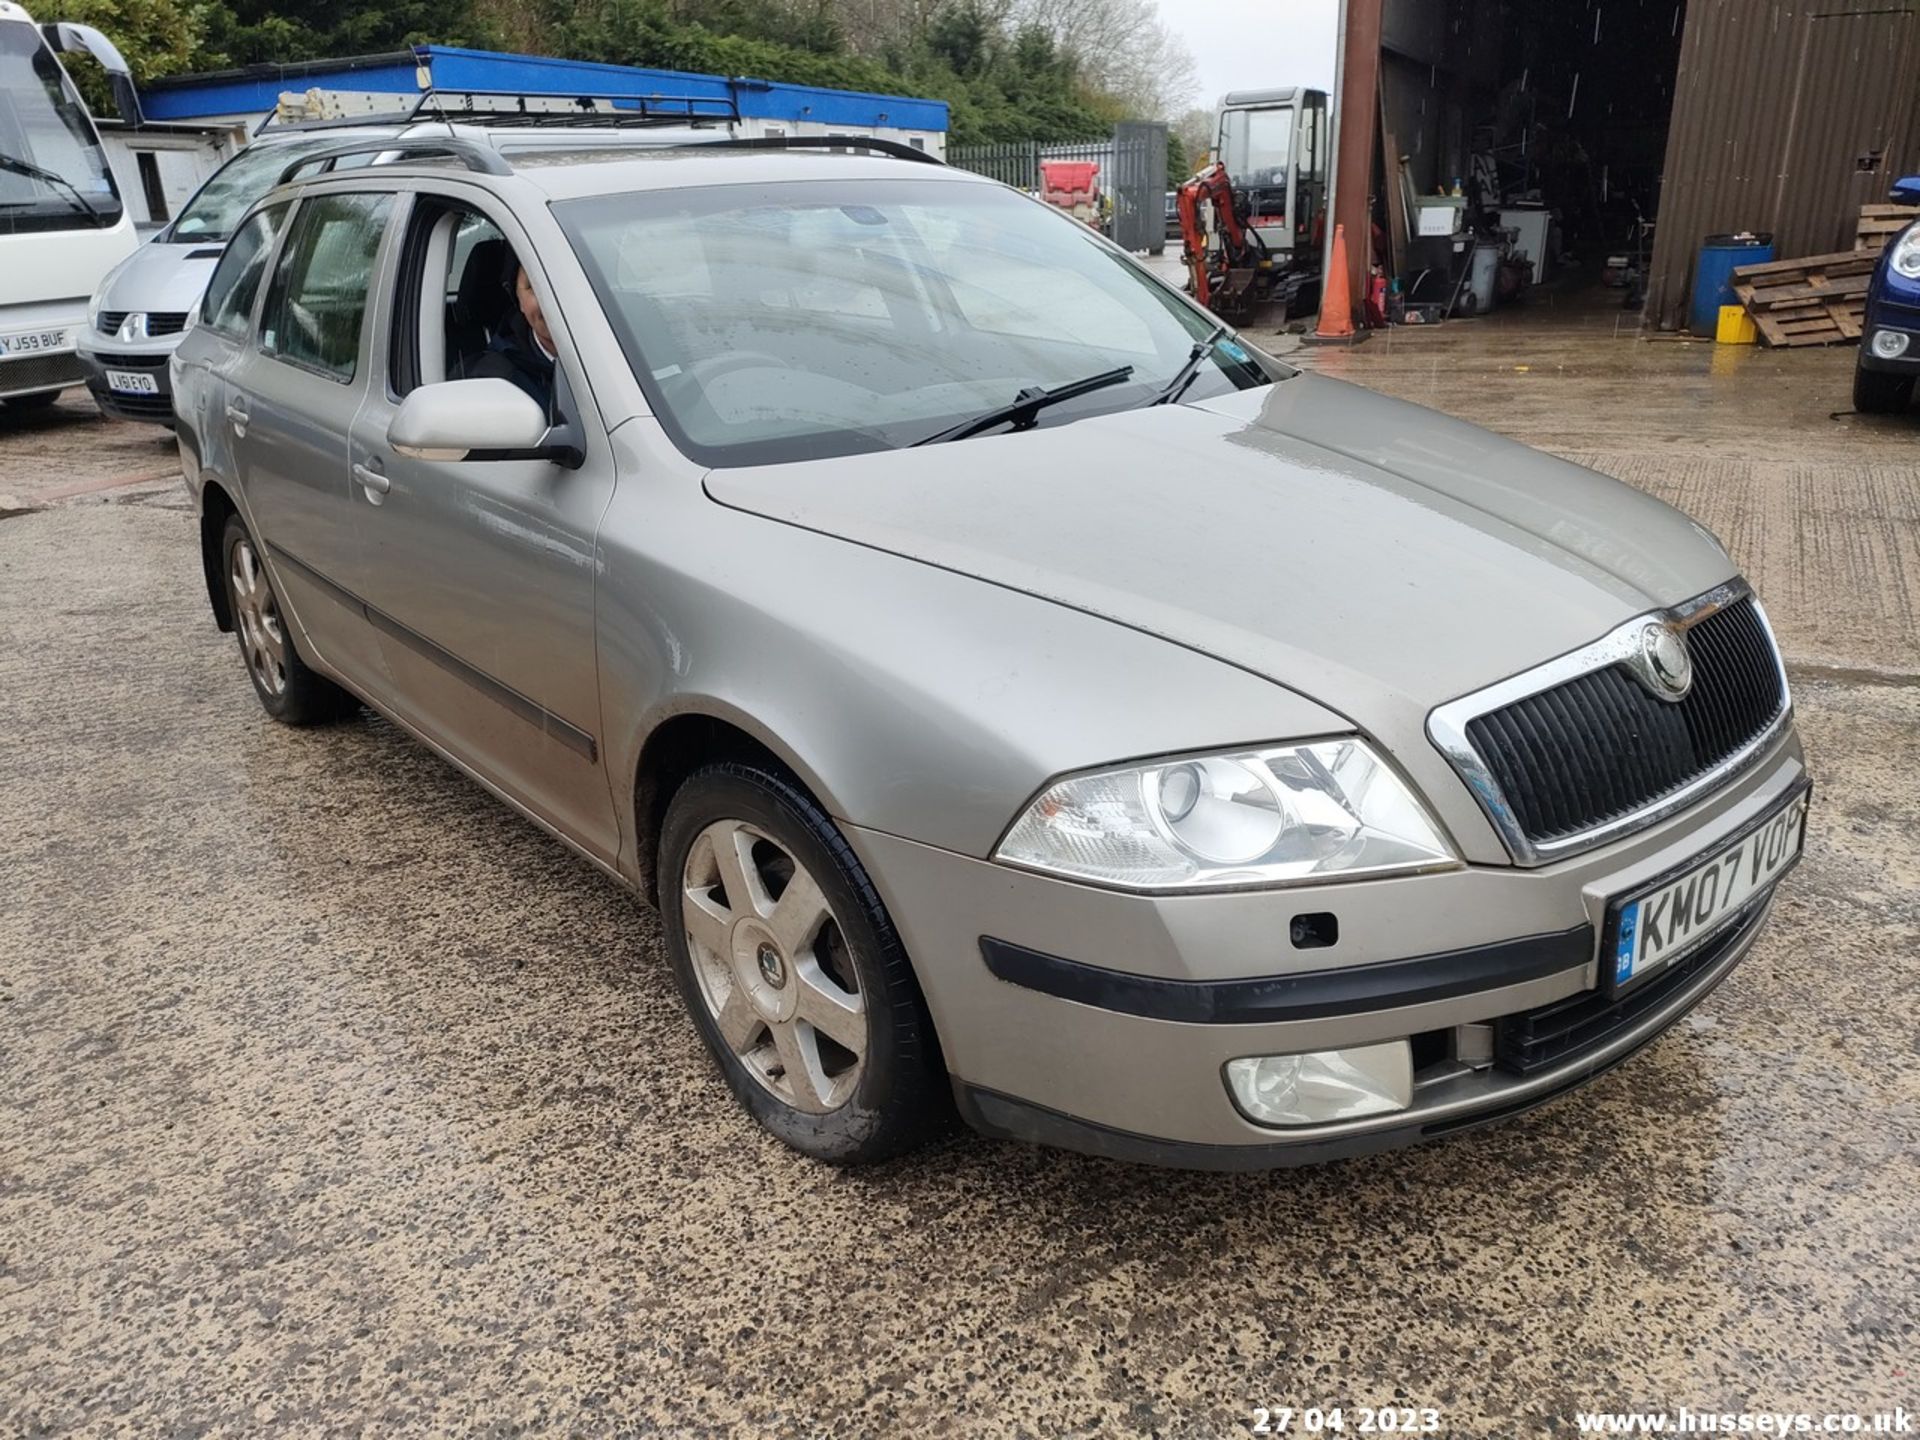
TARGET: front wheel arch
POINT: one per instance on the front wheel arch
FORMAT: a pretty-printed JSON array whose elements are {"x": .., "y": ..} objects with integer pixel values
[{"x": 674, "y": 750}]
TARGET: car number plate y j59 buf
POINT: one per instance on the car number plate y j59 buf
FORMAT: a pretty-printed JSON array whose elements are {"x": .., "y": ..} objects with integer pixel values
[{"x": 1678, "y": 915}]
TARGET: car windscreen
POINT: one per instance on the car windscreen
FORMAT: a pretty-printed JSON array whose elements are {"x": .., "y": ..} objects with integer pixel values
[
  {"x": 802, "y": 319},
  {"x": 44, "y": 128},
  {"x": 221, "y": 203}
]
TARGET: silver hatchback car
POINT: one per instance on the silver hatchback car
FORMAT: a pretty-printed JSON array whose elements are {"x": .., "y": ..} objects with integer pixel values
[{"x": 1176, "y": 757}]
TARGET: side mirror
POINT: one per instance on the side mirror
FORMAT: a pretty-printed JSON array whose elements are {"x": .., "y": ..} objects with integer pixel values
[
  {"x": 470, "y": 420},
  {"x": 76, "y": 39},
  {"x": 1906, "y": 190}
]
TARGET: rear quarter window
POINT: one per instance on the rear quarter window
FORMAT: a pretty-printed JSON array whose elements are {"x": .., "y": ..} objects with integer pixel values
[{"x": 228, "y": 304}]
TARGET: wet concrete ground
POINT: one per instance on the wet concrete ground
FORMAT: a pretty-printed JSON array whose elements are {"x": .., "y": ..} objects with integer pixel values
[{"x": 334, "y": 1098}]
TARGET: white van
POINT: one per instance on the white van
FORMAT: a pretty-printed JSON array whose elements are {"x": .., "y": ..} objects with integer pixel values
[{"x": 62, "y": 223}]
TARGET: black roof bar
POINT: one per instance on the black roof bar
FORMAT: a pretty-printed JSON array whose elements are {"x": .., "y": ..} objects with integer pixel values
[
  {"x": 871, "y": 143},
  {"x": 483, "y": 158}
]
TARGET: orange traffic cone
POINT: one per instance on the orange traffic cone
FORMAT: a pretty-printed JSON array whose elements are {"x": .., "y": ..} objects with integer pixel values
[{"x": 1336, "y": 294}]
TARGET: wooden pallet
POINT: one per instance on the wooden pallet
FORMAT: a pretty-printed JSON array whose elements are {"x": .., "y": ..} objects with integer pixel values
[
  {"x": 1878, "y": 223},
  {"x": 1835, "y": 324},
  {"x": 1814, "y": 300}
]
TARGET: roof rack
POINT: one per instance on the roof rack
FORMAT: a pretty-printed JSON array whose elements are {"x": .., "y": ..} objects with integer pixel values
[
  {"x": 612, "y": 109},
  {"x": 482, "y": 158},
  {"x": 819, "y": 142},
  {"x": 508, "y": 107}
]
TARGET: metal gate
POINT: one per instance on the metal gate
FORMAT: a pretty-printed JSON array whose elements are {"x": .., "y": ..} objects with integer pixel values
[
  {"x": 1138, "y": 185},
  {"x": 1133, "y": 175}
]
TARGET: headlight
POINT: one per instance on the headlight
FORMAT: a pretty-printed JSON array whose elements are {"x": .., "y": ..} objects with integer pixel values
[
  {"x": 93, "y": 311},
  {"x": 1289, "y": 814},
  {"x": 1906, "y": 253}
]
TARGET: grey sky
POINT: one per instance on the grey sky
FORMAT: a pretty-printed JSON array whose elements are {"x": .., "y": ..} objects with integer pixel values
[{"x": 1245, "y": 44}]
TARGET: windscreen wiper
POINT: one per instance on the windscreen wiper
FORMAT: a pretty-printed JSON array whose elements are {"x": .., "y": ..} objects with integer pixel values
[
  {"x": 1023, "y": 411},
  {"x": 48, "y": 177},
  {"x": 1185, "y": 375}
]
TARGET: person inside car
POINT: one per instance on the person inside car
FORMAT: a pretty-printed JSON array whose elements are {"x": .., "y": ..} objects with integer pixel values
[{"x": 522, "y": 351}]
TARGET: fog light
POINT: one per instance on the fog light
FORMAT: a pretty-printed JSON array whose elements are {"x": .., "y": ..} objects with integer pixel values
[
  {"x": 1890, "y": 344},
  {"x": 1323, "y": 1086}
]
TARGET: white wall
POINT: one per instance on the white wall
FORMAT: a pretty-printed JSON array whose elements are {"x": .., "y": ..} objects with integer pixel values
[{"x": 184, "y": 160}]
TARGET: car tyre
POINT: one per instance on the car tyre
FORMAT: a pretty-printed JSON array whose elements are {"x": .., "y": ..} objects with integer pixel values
[
  {"x": 289, "y": 690},
  {"x": 1877, "y": 392},
  {"x": 792, "y": 970}
]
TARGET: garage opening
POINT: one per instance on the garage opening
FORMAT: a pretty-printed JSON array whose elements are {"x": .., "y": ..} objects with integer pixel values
[
  {"x": 1526, "y": 143},
  {"x": 1575, "y": 155}
]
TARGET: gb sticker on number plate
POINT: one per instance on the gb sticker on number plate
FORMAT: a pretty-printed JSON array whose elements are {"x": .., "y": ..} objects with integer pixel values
[{"x": 1678, "y": 916}]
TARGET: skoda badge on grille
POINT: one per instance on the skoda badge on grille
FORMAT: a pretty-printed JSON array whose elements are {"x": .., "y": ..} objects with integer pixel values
[{"x": 1663, "y": 664}]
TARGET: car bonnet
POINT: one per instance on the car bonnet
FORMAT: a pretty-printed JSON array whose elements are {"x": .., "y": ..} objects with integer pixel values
[{"x": 1373, "y": 555}]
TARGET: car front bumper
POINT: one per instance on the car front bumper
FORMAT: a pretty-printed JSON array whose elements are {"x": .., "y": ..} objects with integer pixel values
[
  {"x": 155, "y": 408},
  {"x": 1896, "y": 306},
  {"x": 42, "y": 371},
  {"x": 1126, "y": 1055}
]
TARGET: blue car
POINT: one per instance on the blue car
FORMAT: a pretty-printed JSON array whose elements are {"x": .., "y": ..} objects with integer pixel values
[{"x": 1890, "y": 330}]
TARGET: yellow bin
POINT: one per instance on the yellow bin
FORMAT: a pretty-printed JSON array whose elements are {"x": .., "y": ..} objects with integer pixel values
[{"x": 1735, "y": 327}]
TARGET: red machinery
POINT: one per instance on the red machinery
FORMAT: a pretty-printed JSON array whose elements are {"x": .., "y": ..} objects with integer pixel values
[{"x": 1225, "y": 276}]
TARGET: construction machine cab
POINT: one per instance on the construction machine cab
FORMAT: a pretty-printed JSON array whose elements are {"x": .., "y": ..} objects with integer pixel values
[{"x": 1275, "y": 146}]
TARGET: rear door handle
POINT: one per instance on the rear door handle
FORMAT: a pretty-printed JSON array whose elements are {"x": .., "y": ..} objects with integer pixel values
[
  {"x": 372, "y": 480},
  {"x": 237, "y": 413}
]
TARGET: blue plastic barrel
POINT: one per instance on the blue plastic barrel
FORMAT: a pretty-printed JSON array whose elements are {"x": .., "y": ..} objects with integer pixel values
[{"x": 1720, "y": 255}]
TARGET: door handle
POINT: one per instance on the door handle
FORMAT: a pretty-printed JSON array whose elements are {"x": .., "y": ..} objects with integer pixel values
[
  {"x": 237, "y": 414},
  {"x": 372, "y": 479}
]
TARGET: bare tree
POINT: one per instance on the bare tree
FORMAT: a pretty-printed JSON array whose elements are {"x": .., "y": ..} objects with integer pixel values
[
  {"x": 1122, "y": 47},
  {"x": 874, "y": 27},
  {"x": 1194, "y": 130}
]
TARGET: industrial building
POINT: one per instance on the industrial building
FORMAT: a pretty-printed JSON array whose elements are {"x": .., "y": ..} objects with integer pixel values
[{"x": 1642, "y": 126}]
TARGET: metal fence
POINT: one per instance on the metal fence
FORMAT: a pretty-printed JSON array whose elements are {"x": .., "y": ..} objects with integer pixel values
[{"x": 1133, "y": 172}]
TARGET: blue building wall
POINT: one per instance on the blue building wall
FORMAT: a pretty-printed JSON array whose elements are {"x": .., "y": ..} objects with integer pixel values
[{"x": 258, "y": 89}]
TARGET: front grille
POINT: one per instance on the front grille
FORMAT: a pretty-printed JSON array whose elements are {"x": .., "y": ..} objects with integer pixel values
[
  {"x": 40, "y": 372},
  {"x": 1535, "y": 1039},
  {"x": 159, "y": 322},
  {"x": 132, "y": 362},
  {"x": 1600, "y": 746}
]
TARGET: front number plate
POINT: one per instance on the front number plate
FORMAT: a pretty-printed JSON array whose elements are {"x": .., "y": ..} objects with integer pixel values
[
  {"x": 132, "y": 382},
  {"x": 1678, "y": 916},
  {"x": 34, "y": 342}
]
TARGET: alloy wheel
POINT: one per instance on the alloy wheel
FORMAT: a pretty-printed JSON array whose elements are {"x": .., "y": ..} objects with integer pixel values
[
  {"x": 256, "y": 616},
  {"x": 773, "y": 967}
]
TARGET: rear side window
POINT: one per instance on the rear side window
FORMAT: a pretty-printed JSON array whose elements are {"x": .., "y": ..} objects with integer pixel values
[
  {"x": 236, "y": 279},
  {"x": 317, "y": 302}
]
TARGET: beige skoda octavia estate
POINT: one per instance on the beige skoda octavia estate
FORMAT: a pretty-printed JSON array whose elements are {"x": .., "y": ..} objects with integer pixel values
[{"x": 1017, "y": 692}]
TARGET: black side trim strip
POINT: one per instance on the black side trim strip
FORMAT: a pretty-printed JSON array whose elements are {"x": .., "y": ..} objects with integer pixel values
[
  {"x": 535, "y": 714},
  {"x": 1308, "y": 996}
]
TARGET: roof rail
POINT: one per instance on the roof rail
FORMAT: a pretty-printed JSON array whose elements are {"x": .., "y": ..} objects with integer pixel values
[
  {"x": 483, "y": 158},
  {"x": 819, "y": 142}
]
